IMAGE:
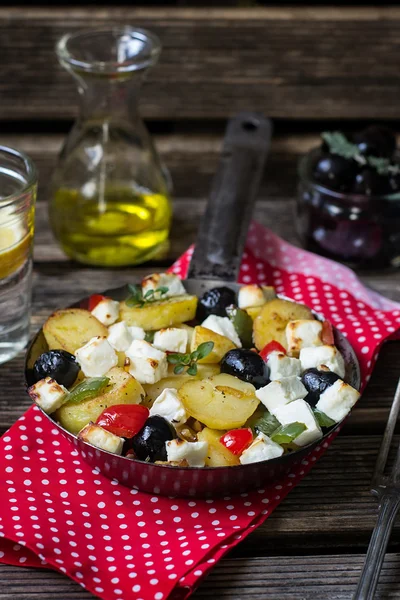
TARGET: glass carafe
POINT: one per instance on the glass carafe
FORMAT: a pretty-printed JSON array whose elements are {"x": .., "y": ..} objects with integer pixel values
[{"x": 110, "y": 202}]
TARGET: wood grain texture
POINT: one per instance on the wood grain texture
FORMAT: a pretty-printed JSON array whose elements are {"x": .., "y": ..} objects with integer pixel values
[
  {"x": 329, "y": 577},
  {"x": 305, "y": 62},
  {"x": 191, "y": 158}
]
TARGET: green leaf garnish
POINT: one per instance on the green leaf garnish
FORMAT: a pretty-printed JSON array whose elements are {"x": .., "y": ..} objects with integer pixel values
[
  {"x": 265, "y": 424},
  {"x": 339, "y": 144},
  {"x": 287, "y": 433},
  {"x": 182, "y": 360},
  {"x": 323, "y": 419},
  {"x": 203, "y": 350},
  {"x": 192, "y": 370},
  {"x": 137, "y": 299},
  {"x": 242, "y": 323},
  {"x": 149, "y": 336},
  {"x": 89, "y": 388}
]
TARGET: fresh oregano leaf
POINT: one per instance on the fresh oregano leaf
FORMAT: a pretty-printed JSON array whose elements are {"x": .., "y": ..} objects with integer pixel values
[
  {"x": 204, "y": 349},
  {"x": 339, "y": 144},
  {"x": 174, "y": 358},
  {"x": 189, "y": 360},
  {"x": 136, "y": 297},
  {"x": 192, "y": 370}
]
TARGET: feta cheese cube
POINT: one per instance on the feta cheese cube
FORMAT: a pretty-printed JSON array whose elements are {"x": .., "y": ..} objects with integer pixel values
[
  {"x": 172, "y": 339},
  {"x": 281, "y": 392},
  {"x": 300, "y": 412},
  {"x": 193, "y": 452},
  {"x": 329, "y": 356},
  {"x": 303, "y": 333},
  {"x": 262, "y": 448},
  {"x": 96, "y": 357},
  {"x": 119, "y": 336},
  {"x": 106, "y": 311},
  {"x": 48, "y": 394},
  {"x": 147, "y": 364},
  {"x": 101, "y": 438},
  {"x": 251, "y": 295},
  {"x": 223, "y": 326},
  {"x": 281, "y": 366},
  {"x": 337, "y": 400},
  {"x": 169, "y": 406},
  {"x": 137, "y": 333},
  {"x": 167, "y": 280}
]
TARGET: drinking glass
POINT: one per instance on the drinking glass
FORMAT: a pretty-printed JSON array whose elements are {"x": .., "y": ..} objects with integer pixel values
[{"x": 18, "y": 185}]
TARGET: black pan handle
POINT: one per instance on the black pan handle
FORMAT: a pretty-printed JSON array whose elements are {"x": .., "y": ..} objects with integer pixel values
[{"x": 223, "y": 229}]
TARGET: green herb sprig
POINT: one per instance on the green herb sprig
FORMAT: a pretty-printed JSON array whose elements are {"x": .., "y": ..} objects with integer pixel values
[
  {"x": 136, "y": 297},
  {"x": 339, "y": 144},
  {"x": 189, "y": 360}
]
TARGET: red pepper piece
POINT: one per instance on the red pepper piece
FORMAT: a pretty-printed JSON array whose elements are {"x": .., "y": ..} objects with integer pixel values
[
  {"x": 237, "y": 440},
  {"x": 94, "y": 300},
  {"x": 327, "y": 334},
  {"x": 273, "y": 346},
  {"x": 124, "y": 420}
]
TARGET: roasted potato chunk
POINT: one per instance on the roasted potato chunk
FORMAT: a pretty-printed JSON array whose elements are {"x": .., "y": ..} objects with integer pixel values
[
  {"x": 274, "y": 316},
  {"x": 72, "y": 328},
  {"x": 220, "y": 402},
  {"x": 153, "y": 390},
  {"x": 222, "y": 344},
  {"x": 160, "y": 315},
  {"x": 217, "y": 455},
  {"x": 122, "y": 389}
]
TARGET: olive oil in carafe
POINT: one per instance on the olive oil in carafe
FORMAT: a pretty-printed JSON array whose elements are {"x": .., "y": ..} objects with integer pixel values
[{"x": 121, "y": 227}]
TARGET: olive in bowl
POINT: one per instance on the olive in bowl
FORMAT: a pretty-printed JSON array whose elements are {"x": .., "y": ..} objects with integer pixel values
[
  {"x": 149, "y": 443},
  {"x": 247, "y": 366},
  {"x": 57, "y": 364},
  {"x": 316, "y": 381},
  {"x": 215, "y": 302}
]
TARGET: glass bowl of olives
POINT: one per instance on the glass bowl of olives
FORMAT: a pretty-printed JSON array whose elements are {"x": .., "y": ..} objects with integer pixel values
[{"x": 348, "y": 205}]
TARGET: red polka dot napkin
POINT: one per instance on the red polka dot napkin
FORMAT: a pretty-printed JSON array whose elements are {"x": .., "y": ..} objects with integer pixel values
[{"x": 119, "y": 543}]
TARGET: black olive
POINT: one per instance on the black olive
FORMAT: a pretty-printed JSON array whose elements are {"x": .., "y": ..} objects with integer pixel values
[
  {"x": 376, "y": 140},
  {"x": 57, "y": 364},
  {"x": 316, "y": 382},
  {"x": 214, "y": 302},
  {"x": 149, "y": 443},
  {"x": 335, "y": 172},
  {"x": 368, "y": 182},
  {"x": 247, "y": 366}
]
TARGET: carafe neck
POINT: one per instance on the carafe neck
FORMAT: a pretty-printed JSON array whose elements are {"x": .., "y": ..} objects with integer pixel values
[{"x": 107, "y": 98}]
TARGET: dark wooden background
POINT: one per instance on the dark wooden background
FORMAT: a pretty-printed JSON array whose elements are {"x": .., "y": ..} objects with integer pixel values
[{"x": 310, "y": 67}]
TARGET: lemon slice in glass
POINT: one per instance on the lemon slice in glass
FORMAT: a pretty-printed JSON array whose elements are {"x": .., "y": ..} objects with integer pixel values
[{"x": 14, "y": 248}]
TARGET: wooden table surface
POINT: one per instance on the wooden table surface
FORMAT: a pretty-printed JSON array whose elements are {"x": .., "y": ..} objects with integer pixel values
[{"x": 313, "y": 545}]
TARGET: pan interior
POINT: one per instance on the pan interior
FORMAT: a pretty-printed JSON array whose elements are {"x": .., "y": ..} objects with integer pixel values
[{"x": 198, "y": 287}]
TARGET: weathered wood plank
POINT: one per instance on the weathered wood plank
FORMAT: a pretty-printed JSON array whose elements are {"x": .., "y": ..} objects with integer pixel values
[
  {"x": 276, "y": 213},
  {"x": 305, "y": 62},
  {"x": 332, "y": 577},
  {"x": 191, "y": 158}
]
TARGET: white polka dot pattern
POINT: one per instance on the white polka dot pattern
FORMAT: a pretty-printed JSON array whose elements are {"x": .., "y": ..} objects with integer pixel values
[{"x": 134, "y": 545}]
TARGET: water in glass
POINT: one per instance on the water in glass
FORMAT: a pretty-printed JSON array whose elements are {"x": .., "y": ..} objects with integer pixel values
[{"x": 17, "y": 204}]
